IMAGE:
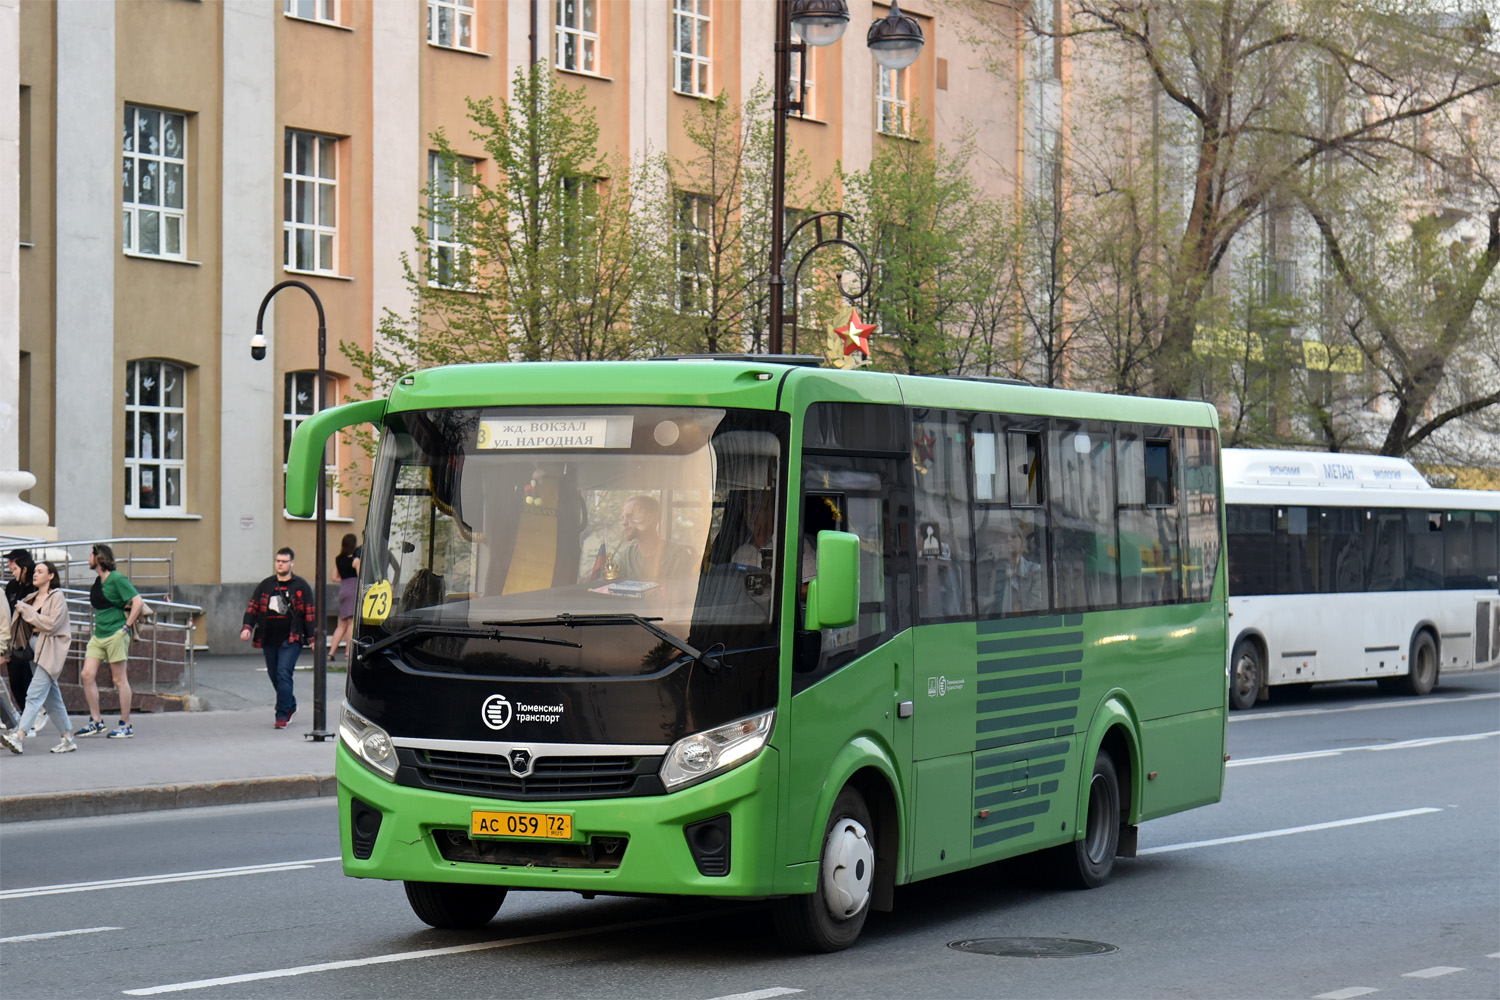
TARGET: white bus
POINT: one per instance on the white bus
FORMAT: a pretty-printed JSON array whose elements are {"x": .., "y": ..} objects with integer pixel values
[{"x": 1353, "y": 567}]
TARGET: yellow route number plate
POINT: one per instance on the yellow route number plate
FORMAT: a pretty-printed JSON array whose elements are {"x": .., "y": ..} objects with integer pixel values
[{"x": 549, "y": 826}]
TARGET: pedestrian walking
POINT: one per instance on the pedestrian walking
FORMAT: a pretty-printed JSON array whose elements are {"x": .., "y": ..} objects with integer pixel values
[
  {"x": 17, "y": 587},
  {"x": 42, "y": 618},
  {"x": 346, "y": 570},
  {"x": 279, "y": 619},
  {"x": 116, "y": 605}
]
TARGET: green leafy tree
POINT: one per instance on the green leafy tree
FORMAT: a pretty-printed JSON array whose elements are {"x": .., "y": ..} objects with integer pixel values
[
  {"x": 937, "y": 247},
  {"x": 534, "y": 260}
]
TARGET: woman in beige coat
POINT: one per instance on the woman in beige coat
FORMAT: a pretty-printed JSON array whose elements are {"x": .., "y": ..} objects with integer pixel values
[{"x": 45, "y": 615}]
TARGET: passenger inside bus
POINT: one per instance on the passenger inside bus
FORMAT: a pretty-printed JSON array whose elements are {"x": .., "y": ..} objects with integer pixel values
[{"x": 645, "y": 554}]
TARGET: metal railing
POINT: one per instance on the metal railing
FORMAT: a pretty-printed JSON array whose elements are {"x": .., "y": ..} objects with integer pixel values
[
  {"x": 148, "y": 562},
  {"x": 165, "y": 640}
]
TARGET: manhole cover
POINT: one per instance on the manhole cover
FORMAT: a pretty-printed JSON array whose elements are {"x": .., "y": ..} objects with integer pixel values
[{"x": 1033, "y": 947}]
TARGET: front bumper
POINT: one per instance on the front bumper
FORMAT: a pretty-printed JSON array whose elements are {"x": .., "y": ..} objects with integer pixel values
[{"x": 655, "y": 859}]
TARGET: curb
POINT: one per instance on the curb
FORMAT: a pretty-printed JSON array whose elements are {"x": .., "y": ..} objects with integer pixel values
[{"x": 115, "y": 801}]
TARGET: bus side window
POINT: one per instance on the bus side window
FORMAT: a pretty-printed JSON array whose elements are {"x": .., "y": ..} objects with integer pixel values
[
  {"x": 1458, "y": 553},
  {"x": 1384, "y": 552},
  {"x": 1486, "y": 547},
  {"x": 1424, "y": 550},
  {"x": 945, "y": 549},
  {"x": 1201, "y": 545}
]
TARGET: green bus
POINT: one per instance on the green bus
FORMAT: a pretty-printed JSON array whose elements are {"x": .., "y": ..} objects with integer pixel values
[{"x": 755, "y": 629}]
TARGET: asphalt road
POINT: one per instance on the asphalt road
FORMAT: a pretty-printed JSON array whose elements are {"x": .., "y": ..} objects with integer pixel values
[{"x": 1355, "y": 854}]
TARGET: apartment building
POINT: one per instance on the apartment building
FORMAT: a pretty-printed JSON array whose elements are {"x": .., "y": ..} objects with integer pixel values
[{"x": 177, "y": 159}]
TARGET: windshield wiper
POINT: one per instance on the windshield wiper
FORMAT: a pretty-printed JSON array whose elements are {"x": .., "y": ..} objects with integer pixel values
[
  {"x": 710, "y": 663},
  {"x": 465, "y": 631}
]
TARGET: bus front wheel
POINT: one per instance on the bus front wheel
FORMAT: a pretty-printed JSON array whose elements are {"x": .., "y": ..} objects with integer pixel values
[
  {"x": 1087, "y": 863},
  {"x": 1245, "y": 673},
  {"x": 454, "y": 906},
  {"x": 831, "y": 917},
  {"x": 1422, "y": 668}
]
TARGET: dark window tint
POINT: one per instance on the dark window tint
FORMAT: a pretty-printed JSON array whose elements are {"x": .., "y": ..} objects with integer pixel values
[
  {"x": 1159, "y": 489},
  {"x": 1296, "y": 551},
  {"x": 1486, "y": 532},
  {"x": 855, "y": 427},
  {"x": 1424, "y": 550},
  {"x": 1458, "y": 551},
  {"x": 1251, "y": 554},
  {"x": 1385, "y": 550},
  {"x": 1201, "y": 545},
  {"x": 863, "y": 495},
  {"x": 1341, "y": 558}
]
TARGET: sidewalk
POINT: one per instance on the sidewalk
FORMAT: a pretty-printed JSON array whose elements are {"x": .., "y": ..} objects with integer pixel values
[{"x": 227, "y": 753}]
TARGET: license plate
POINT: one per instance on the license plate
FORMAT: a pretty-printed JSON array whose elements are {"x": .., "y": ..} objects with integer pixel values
[{"x": 548, "y": 826}]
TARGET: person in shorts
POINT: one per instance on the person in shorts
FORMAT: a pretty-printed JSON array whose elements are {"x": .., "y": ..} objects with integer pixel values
[{"x": 117, "y": 605}]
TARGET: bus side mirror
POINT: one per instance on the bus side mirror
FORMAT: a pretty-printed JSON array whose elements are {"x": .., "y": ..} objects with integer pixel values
[{"x": 833, "y": 595}]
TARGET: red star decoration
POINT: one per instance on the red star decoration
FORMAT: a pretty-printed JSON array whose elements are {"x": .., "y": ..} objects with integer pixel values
[{"x": 856, "y": 335}]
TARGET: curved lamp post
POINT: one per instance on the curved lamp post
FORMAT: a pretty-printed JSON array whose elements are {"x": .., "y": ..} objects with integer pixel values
[
  {"x": 320, "y": 656},
  {"x": 895, "y": 40}
]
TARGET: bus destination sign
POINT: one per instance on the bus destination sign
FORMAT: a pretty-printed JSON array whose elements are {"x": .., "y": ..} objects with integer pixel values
[{"x": 523, "y": 433}]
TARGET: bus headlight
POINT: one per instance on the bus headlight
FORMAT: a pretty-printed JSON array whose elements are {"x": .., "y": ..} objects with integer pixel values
[
  {"x": 702, "y": 755},
  {"x": 368, "y": 742}
]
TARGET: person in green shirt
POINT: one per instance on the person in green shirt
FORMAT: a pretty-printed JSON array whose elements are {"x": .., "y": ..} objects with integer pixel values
[{"x": 117, "y": 605}]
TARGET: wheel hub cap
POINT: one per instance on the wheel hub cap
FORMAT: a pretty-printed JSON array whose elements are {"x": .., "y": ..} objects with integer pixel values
[{"x": 849, "y": 868}]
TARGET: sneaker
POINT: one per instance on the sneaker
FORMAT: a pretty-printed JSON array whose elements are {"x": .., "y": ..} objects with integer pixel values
[
  {"x": 121, "y": 732},
  {"x": 282, "y": 720},
  {"x": 39, "y": 724},
  {"x": 94, "y": 728},
  {"x": 65, "y": 745},
  {"x": 12, "y": 742}
]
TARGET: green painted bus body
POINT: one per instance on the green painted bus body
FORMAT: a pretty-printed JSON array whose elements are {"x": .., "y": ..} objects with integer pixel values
[{"x": 1008, "y": 713}]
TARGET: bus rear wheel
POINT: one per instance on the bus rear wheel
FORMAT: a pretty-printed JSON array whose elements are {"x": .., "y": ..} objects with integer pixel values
[
  {"x": 1245, "y": 674},
  {"x": 1087, "y": 863},
  {"x": 830, "y": 918},
  {"x": 454, "y": 906},
  {"x": 1421, "y": 670}
]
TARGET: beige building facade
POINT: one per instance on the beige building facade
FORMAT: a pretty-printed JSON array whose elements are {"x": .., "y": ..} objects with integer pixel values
[{"x": 175, "y": 160}]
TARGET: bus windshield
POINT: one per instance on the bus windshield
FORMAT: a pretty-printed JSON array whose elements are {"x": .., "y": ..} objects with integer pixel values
[{"x": 492, "y": 525}]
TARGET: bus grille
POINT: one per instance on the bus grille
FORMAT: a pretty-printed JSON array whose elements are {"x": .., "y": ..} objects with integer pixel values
[{"x": 490, "y": 775}]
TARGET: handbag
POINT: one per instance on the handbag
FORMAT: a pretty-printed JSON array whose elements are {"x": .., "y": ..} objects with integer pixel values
[{"x": 22, "y": 641}]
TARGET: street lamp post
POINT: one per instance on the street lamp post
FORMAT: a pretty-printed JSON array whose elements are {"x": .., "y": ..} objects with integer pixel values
[
  {"x": 895, "y": 40},
  {"x": 320, "y": 654}
]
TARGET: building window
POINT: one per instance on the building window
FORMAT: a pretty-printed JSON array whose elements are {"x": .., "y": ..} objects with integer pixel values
[
  {"x": 578, "y": 35},
  {"x": 802, "y": 81},
  {"x": 301, "y": 401},
  {"x": 326, "y": 11},
  {"x": 694, "y": 223},
  {"x": 155, "y": 436},
  {"x": 893, "y": 101},
  {"x": 154, "y": 182},
  {"x": 447, "y": 182},
  {"x": 450, "y": 23},
  {"x": 310, "y": 202},
  {"x": 690, "y": 23}
]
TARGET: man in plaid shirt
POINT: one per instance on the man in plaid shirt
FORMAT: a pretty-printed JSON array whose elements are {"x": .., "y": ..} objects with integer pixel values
[{"x": 280, "y": 620}]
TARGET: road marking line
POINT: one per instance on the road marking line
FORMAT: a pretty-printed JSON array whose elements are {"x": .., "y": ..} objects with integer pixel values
[
  {"x": 765, "y": 994},
  {"x": 140, "y": 880},
  {"x": 1348, "y": 993},
  {"x": 1294, "y": 712},
  {"x": 407, "y": 956},
  {"x": 1493, "y": 955},
  {"x": 57, "y": 934},
  {"x": 1287, "y": 832},
  {"x": 1432, "y": 973},
  {"x": 1430, "y": 741}
]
